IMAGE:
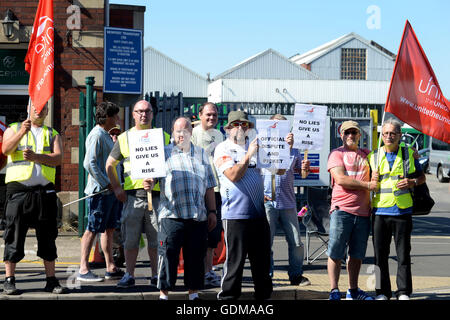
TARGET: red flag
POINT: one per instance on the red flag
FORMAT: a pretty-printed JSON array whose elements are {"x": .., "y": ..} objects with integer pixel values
[
  {"x": 39, "y": 61},
  {"x": 415, "y": 96}
]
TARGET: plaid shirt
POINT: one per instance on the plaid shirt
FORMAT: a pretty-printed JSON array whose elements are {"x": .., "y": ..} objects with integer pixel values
[{"x": 188, "y": 175}]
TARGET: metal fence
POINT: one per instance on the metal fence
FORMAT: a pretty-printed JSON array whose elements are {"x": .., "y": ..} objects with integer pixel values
[{"x": 168, "y": 107}]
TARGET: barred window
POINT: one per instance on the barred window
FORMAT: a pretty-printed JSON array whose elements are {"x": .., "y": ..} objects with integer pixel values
[{"x": 353, "y": 64}]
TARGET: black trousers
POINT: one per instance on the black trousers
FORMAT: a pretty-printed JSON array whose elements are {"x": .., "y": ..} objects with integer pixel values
[
  {"x": 383, "y": 229},
  {"x": 246, "y": 237},
  {"x": 190, "y": 235},
  {"x": 30, "y": 209}
]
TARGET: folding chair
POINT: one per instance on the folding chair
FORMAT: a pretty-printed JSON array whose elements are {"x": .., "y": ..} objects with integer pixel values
[{"x": 317, "y": 221}]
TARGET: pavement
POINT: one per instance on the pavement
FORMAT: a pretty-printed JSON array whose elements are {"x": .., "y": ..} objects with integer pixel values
[{"x": 30, "y": 279}]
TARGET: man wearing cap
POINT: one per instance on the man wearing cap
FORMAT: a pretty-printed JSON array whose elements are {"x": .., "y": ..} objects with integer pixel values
[
  {"x": 246, "y": 229},
  {"x": 135, "y": 215},
  {"x": 350, "y": 210}
]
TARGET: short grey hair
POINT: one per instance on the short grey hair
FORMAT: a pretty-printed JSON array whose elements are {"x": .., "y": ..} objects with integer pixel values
[
  {"x": 278, "y": 117},
  {"x": 188, "y": 120},
  {"x": 393, "y": 122}
]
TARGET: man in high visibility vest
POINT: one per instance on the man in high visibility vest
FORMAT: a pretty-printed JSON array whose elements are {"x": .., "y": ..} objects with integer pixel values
[
  {"x": 392, "y": 207},
  {"x": 135, "y": 215},
  {"x": 34, "y": 150}
]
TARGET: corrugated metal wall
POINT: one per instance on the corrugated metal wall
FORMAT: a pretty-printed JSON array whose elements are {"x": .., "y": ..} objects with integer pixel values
[
  {"x": 268, "y": 65},
  {"x": 306, "y": 91},
  {"x": 163, "y": 74},
  {"x": 379, "y": 67}
]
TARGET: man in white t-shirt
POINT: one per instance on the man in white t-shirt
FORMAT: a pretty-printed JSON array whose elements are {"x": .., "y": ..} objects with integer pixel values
[{"x": 208, "y": 137}]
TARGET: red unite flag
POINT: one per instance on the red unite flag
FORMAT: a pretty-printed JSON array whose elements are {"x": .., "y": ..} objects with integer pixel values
[
  {"x": 39, "y": 61},
  {"x": 414, "y": 94}
]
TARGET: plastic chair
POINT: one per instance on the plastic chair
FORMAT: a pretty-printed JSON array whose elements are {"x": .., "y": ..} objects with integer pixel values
[{"x": 317, "y": 221}]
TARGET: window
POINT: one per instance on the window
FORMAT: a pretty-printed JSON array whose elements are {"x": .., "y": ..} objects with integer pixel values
[
  {"x": 353, "y": 64},
  {"x": 439, "y": 145}
]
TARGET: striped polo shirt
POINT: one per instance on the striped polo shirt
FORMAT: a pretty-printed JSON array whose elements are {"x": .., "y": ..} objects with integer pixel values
[{"x": 243, "y": 199}]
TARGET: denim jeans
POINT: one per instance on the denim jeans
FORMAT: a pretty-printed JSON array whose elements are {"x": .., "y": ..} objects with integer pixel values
[{"x": 288, "y": 220}]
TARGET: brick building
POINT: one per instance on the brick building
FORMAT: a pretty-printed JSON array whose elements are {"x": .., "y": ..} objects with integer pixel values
[{"x": 79, "y": 53}]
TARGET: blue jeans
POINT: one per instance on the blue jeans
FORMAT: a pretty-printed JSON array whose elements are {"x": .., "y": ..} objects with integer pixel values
[
  {"x": 103, "y": 210},
  {"x": 288, "y": 220},
  {"x": 348, "y": 230}
]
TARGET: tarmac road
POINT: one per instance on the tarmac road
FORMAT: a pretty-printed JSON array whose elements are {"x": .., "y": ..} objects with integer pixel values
[{"x": 430, "y": 256}]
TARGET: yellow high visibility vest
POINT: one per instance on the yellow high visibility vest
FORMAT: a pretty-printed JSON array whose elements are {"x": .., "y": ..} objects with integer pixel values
[
  {"x": 130, "y": 184},
  {"x": 17, "y": 168},
  {"x": 388, "y": 194}
]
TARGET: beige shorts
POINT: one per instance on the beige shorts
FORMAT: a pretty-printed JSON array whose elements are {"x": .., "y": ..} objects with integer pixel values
[{"x": 136, "y": 219}]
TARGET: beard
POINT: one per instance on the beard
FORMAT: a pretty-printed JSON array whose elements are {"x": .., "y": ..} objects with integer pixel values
[{"x": 240, "y": 137}]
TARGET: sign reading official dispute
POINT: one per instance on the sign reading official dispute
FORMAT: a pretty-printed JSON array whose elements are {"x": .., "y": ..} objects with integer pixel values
[
  {"x": 147, "y": 153},
  {"x": 273, "y": 150}
]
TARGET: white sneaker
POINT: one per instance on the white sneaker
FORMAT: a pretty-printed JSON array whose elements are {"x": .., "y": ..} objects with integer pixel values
[
  {"x": 381, "y": 297},
  {"x": 403, "y": 297}
]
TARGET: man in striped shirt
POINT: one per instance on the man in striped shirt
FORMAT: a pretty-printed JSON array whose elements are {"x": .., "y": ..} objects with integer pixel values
[
  {"x": 281, "y": 209},
  {"x": 246, "y": 229}
]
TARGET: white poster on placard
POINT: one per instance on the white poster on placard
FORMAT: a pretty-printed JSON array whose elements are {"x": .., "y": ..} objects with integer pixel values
[
  {"x": 309, "y": 126},
  {"x": 273, "y": 150},
  {"x": 147, "y": 153}
]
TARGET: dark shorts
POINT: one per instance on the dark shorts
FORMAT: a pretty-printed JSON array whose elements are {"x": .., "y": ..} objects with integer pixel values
[
  {"x": 190, "y": 235},
  {"x": 103, "y": 211},
  {"x": 215, "y": 235},
  {"x": 22, "y": 214}
]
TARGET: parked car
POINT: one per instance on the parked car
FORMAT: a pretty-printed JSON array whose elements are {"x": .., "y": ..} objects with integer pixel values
[
  {"x": 424, "y": 159},
  {"x": 439, "y": 162}
]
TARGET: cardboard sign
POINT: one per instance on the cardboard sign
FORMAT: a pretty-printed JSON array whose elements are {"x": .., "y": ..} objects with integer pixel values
[
  {"x": 147, "y": 153},
  {"x": 309, "y": 126},
  {"x": 273, "y": 151}
]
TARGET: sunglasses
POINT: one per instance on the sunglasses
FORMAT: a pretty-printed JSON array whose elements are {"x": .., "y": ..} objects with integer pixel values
[
  {"x": 354, "y": 132},
  {"x": 242, "y": 124}
]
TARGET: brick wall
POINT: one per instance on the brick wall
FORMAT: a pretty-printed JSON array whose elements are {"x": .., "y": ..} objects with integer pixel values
[{"x": 67, "y": 58}]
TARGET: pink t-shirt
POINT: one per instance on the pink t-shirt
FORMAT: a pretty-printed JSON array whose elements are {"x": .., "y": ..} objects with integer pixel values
[{"x": 355, "y": 164}]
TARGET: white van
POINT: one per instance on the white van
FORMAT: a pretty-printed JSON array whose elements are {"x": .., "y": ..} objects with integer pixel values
[{"x": 440, "y": 159}]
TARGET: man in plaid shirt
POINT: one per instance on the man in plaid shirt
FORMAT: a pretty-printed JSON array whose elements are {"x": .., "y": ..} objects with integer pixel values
[{"x": 187, "y": 211}]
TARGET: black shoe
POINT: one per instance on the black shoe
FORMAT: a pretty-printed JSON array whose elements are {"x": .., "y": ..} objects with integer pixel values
[
  {"x": 300, "y": 281},
  {"x": 9, "y": 286},
  {"x": 53, "y": 286}
]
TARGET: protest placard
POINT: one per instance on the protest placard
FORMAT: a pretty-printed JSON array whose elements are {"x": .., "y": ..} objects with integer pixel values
[
  {"x": 309, "y": 126},
  {"x": 273, "y": 150},
  {"x": 147, "y": 153}
]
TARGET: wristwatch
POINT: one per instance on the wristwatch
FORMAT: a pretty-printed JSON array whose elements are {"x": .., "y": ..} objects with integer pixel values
[
  {"x": 212, "y": 211},
  {"x": 415, "y": 182}
]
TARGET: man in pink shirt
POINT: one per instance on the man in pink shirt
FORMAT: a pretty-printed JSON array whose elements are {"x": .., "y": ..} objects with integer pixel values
[{"x": 350, "y": 210}]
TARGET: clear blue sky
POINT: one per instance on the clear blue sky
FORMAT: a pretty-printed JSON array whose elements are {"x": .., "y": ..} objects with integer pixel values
[{"x": 213, "y": 36}]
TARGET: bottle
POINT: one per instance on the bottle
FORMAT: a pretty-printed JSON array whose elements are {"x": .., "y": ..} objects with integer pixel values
[{"x": 302, "y": 212}]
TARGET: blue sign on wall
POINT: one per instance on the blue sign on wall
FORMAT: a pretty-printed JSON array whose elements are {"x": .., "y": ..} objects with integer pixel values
[{"x": 123, "y": 61}]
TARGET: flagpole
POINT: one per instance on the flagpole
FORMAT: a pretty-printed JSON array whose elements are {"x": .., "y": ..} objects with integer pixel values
[{"x": 28, "y": 117}]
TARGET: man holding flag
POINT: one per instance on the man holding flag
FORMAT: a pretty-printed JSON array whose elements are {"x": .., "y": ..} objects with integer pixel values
[
  {"x": 414, "y": 97},
  {"x": 34, "y": 150}
]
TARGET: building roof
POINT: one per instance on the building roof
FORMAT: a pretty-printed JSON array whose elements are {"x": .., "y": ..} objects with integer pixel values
[
  {"x": 165, "y": 57},
  {"x": 316, "y": 53},
  {"x": 273, "y": 73}
]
